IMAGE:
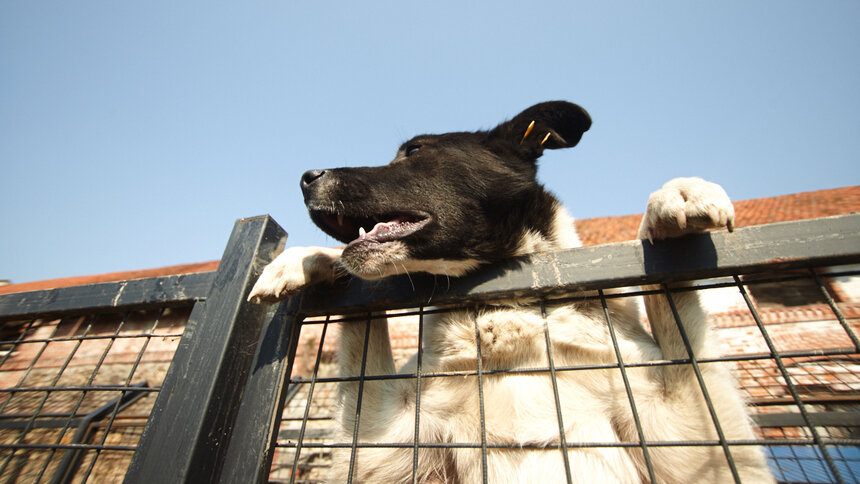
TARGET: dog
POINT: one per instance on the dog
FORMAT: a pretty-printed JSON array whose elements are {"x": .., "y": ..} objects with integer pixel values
[{"x": 450, "y": 203}]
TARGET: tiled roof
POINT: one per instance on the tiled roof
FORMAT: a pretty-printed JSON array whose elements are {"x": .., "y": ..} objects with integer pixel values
[
  {"x": 110, "y": 277},
  {"x": 593, "y": 231},
  {"x": 756, "y": 211}
]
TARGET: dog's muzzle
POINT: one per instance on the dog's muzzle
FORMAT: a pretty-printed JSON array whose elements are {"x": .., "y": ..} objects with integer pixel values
[{"x": 356, "y": 221}]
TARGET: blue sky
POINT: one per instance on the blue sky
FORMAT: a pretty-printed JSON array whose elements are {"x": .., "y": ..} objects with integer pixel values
[{"x": 133, "y": 134}]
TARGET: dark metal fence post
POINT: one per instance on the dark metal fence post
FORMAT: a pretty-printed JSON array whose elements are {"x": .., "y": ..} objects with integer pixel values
[
  {"x": 189, "y": 430},
  {"x": 255, "y": 433}
]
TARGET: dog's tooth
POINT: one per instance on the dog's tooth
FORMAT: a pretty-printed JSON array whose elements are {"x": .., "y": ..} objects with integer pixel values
[
  {"x": 361, "y": 232},
  {"x": 339, "y": 218}
]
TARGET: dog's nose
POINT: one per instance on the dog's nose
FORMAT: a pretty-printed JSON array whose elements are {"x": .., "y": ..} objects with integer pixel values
[{"x": 309, "y": 177}]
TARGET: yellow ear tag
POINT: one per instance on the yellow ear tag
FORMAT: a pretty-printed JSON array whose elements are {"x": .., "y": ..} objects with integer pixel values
[
  {"x": 545, "y": 138},
  {"x": 528, "y": 130}
]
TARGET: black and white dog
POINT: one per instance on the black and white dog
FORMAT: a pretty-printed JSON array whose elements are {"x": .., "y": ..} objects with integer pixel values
[{"x": 449, "y": 203}]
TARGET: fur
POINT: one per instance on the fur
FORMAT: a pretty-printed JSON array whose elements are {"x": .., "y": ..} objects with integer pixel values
[{"x": 450, "y": 203}]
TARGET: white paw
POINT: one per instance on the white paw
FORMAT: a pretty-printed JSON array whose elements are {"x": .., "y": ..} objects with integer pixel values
[
  {"x": 293, "y": 270},
  {"x": 686, "y": 205}
]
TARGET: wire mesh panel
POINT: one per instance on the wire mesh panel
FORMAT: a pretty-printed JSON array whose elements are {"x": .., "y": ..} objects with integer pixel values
[
  {"x": 77, "y": 390},
  {"x": 806, "y": 393},
  {"x": 795, "y": 358}
]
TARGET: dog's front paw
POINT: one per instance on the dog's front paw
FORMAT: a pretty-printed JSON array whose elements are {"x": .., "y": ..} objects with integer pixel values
[
  {"x": 293, "y": 270},
  {"x": 686, "y": 205}
]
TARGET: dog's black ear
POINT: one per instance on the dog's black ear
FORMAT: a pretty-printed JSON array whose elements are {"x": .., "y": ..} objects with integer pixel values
[{"x": 549, "y": 125}]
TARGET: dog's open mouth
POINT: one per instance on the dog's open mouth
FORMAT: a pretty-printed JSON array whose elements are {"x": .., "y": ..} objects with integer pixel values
[{"x": 373, "y": 229}]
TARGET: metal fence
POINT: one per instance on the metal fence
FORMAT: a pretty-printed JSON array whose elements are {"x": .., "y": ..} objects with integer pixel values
[{"x": 250, "y": 393}]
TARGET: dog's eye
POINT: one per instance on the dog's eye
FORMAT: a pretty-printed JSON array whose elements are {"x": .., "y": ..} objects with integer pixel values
[{"x": 412, "y": 149}]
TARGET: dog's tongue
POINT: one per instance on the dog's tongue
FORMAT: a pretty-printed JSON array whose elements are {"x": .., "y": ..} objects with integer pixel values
[{"x": 383, "y": 230}]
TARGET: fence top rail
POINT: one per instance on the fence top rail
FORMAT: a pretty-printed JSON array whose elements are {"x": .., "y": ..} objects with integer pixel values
[
  {"x": 162, "y": 290},
  {"x": 822, "y": 242},
  {"x": 828, "y": 241}
]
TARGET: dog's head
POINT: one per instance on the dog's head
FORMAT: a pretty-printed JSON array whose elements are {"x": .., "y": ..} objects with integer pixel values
[{"x": 448, "y": 202}]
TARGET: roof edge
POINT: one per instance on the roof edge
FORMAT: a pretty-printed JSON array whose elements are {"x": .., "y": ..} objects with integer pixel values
[{"x": 110, "y": 277}]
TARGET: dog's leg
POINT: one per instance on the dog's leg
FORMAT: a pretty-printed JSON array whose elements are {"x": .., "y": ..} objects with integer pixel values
[
  {"x": 385, "y": 407},
  {"x": 378, "y": 361},
  {"x": 683, "y": 206},
  {"x": 295, "y": 269}
]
